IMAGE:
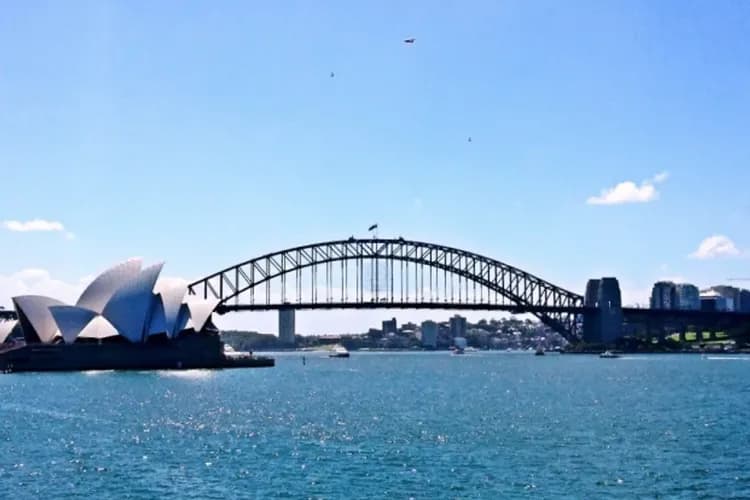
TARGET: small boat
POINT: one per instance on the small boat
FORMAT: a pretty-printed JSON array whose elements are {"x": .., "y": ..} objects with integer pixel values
[
  {"x": 609, "y": 355},
  {"x": 338, "y": 351},
  {"x": 457, "y": 350},
  {"x": 459, "y": 345},
  {"x": 539, "y": 351}
]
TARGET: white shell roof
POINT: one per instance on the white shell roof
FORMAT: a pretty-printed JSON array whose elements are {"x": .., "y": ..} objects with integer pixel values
[
  {"x": 5, "y": 328},
  {"x": 98, "y": 328},
  {"x": 35, "y": 308},
  {"x": 129, "y": 307},
  {"x": 157, "y": 323},
  {"x": 183, "y": 320},
  {"x": 120, "y": 301},
  {"x": 200, "y": 311},
  {"x": 71, "y": 320},
  {"x": 171, "y": 298},
  {"x": 104, "y": 286}
]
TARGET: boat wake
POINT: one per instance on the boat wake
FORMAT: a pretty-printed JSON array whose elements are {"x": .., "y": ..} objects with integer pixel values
[
  {"x": 91, "y": 373},
  {"x": 197, "y": 374}
]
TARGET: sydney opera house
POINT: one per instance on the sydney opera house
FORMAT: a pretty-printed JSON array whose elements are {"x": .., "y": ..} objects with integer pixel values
[{"x": 120, "y": 321}]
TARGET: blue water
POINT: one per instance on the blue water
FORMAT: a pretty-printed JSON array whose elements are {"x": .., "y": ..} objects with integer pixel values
[{"x": 485, "y": 425}]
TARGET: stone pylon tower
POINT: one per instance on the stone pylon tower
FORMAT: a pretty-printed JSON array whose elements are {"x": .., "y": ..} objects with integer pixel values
[{"x": 605, "y": 324}]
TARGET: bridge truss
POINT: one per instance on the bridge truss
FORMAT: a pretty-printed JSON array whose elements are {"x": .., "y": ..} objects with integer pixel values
[{"x": 388, "y": 273}]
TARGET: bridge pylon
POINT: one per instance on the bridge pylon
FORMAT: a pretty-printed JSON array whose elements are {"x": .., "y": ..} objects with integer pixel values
[{"x": 603, "y": 324}]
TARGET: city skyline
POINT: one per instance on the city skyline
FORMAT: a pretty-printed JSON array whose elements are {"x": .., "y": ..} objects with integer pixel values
[{"x": 614, "y": 150}]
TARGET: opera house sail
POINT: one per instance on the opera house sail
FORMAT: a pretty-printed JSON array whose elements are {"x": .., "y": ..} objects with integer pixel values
[{"x": 120, "y": 321}]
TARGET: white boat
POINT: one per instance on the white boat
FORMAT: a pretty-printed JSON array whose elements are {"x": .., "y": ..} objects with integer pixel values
[
  {"x": 338, "y": 351},
  {"x": 609, "y": 354},
  {"x": 459, "y": 345}
]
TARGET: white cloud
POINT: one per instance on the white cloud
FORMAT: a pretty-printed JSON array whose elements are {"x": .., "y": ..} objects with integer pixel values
[
  {"x": 660, "y": 177},
  {"x": 630, "y": 192},
  {"x": 33, "y": 225},
  {"x": 37, "y": 225},
  {"x": 715, "y": 246},
  {"x": 35, "y": 281}
]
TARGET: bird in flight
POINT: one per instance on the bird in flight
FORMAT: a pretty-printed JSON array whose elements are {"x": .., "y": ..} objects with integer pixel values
[
  {"x": 469, "y": 139},
  {"x": 410, "y": 40},
  {"x": 332, "y": 74}
]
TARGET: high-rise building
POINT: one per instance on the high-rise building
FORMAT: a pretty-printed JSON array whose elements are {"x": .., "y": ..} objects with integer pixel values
[
  {"x": 664, "y": 295},
  {"x": 688, "y": 297},
  {"x": 711, "y": 300},
  {"x": 732, "y": 295},
  {"x": 428, "y": 334},
  {"x": 286, "y": 326},
  {"x": 390, "y": 326},
  {"x": 744, "y": 301},
  {"x": 458, "y": 326}
]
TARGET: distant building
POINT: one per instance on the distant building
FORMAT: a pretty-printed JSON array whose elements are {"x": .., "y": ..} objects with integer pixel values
[
  {"x": 688, "y": 297},
  {"x": 409, "y": 326},
  {"x": 390, "y": 326},
  {"x": 713, "y": 301},
  {"x": 732, "y": 295},
  {"x": 429, "y": 334},
  {"x": 374, "y": 333},
  {"x": 744, "y": 301},
  {"x": 286, "y": 326},
  {"x": 664, "y": 295},
  {"x": 458, "y": 326}
]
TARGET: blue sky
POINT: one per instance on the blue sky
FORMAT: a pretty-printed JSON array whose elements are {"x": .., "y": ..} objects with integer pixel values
[{"x": 204, "y": 134}]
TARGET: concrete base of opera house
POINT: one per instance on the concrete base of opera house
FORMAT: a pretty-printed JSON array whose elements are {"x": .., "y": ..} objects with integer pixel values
[{"x": 188, "y": 352}]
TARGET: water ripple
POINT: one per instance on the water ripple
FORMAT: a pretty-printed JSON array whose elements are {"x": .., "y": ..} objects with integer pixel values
[{"x": 380, "y": 425}]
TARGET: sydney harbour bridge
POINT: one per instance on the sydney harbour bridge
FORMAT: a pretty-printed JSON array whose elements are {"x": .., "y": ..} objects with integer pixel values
[{"x": 395, "y": 273}]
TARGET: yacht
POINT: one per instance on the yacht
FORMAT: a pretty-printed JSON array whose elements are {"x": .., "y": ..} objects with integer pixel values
[
  {"x": 338, "y": 351},
  {"x": 609, "y": 354}
]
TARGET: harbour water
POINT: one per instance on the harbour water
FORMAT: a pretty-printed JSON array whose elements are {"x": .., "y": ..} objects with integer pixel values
[{"x": 385, "y": 425}]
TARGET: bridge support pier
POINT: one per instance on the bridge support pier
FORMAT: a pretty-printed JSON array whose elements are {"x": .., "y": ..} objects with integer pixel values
[
  {"x": 605, "y": 325},
  {"x": 286, "y": 326}
]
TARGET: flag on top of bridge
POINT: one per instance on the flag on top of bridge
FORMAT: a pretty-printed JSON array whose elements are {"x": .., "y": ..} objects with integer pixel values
[{"x": 373, "y": 227}]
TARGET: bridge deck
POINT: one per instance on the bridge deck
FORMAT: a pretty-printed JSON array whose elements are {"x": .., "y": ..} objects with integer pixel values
[{"x": 512, "y": 308}]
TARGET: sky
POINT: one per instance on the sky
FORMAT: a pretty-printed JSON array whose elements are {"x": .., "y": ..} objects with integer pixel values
[{"x": 608, "y": 138}]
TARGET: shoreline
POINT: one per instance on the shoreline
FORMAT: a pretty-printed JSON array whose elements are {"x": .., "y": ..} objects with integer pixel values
[{"x": 515, "y": 351}]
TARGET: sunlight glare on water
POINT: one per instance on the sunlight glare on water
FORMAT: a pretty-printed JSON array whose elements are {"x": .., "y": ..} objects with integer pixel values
[{"x": 406, "y": 425}]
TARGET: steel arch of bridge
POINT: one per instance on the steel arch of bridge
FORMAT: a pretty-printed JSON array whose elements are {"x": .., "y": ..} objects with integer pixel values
[{"x": 558, "y": 308}]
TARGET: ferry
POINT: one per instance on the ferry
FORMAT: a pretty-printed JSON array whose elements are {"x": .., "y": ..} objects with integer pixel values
[
  {"x": 609, "y": 355},
  {"x": 338, "y": 351}
]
